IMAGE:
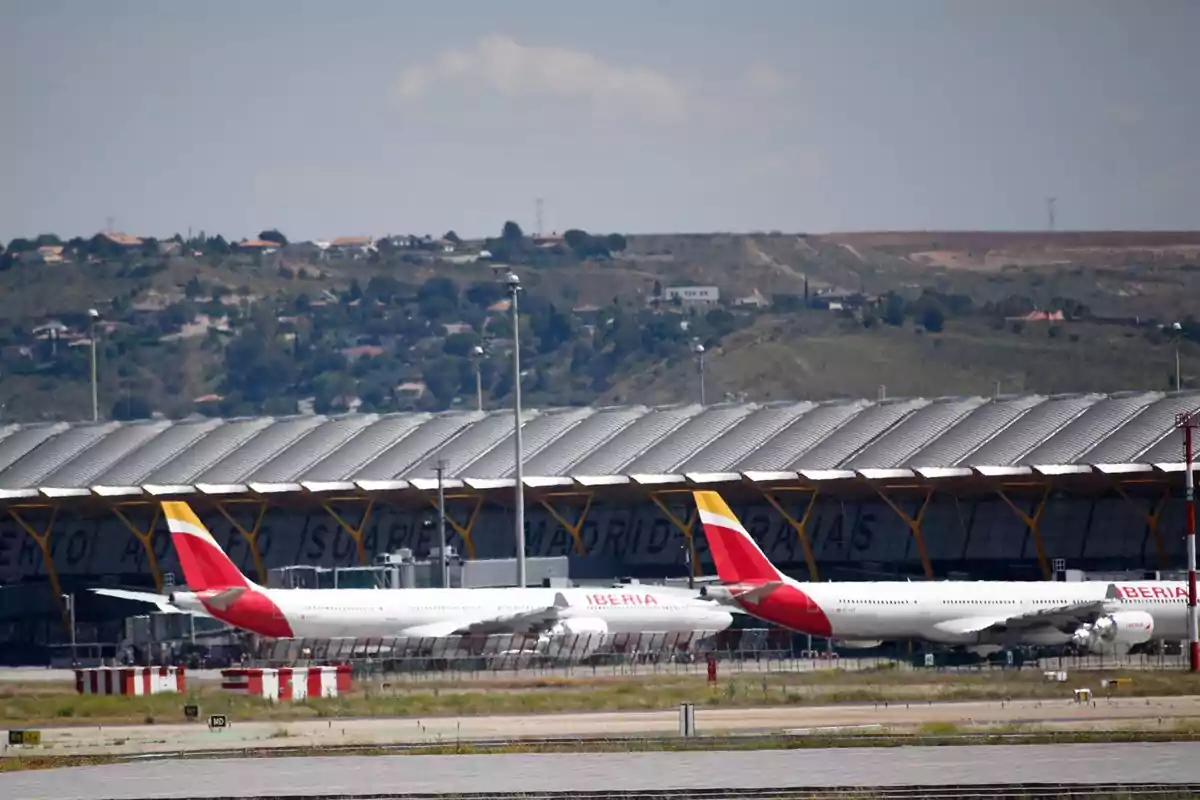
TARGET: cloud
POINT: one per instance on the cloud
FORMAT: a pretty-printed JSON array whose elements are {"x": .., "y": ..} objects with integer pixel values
[
  {"x": 802, "y": 163},
  {"x": 505, "y": 67},
  {"x": 1125, "y": 113},
  {"x": 764, "y": 79}
]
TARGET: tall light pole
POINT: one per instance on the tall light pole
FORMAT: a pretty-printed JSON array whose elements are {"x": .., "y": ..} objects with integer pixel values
[
  {"x": 1188, "y": 422},
  {"x": 69, "y": 602},
  {"x": 514, "y": 289},
  {"x": 478, "y": 358},
  {"x": 443, "y": 570},
  {"x": 93, "y": 316},
  {"x": 699, "y": 350},
  {"x": 1176, "y": 333}
]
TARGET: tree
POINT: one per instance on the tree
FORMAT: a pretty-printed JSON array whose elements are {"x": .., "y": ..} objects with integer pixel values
[
  {"x": 384, "y": 288},
  {"x": 460, "y": 344},
  {"x": 933, "y": 319},
  {"x": 451, "y": 236},
  {"x": 512, "y": 234},
  {"x": 893, "y": 310},
  {"x": 437, "y": 297},
  {"x": 131, "y": 407},
  {"x": 275, "y": 236}
]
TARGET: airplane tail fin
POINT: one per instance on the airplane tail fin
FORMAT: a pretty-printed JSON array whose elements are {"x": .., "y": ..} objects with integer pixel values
[
  {"x": 737, "y": 556},
  {"x": 205, "y": 565}
]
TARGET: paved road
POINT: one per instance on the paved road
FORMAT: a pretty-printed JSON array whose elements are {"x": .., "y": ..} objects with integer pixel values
[
  {"x": 1119, "y": 712},
  {"x": 365, "y": 776}
]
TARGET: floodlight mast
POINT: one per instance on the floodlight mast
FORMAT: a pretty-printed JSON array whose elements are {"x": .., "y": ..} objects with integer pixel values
[{"x": 514, "y": 289}]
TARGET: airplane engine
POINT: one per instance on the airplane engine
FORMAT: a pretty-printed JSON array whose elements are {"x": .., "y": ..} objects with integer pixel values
[
  {"x": 573, "y": 638},
  {"x": 1115, "y": 632}
]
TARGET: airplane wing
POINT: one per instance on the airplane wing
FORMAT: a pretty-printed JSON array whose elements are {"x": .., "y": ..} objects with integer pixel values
[
  {"x": 161, "y": 601},
  {"x": 1066, "y": 617},
  {"x": 530, "y": 622}
]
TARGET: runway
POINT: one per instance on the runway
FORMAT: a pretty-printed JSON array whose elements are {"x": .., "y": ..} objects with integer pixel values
[
  {"x": 374, "y": 776},
  {"x": 1155, "y": 713}
]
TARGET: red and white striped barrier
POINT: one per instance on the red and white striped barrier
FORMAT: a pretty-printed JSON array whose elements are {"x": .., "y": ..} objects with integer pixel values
[
  {"x": 130, "y": 680},
  {"x": 286, "y": 683}
]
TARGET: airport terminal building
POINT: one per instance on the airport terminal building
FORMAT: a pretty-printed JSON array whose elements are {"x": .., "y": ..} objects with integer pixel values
[{"x": 980, "y": 487}]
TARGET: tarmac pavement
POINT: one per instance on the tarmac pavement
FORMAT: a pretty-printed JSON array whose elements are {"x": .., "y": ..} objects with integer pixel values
[{"x": 1157, "y": 713}]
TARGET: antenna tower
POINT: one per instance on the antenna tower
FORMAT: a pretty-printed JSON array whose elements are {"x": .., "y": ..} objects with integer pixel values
[{"x": 1050, "y": 212}]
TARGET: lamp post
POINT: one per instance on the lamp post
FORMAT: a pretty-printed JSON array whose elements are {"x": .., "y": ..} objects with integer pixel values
[
  {"x": 1188, "y": 422},
  {"x": 1176, "y": 333},
  {"x": 514, "y": 288},
  {"x": 443, "y": 569},
  {"x": 93, "y": 316},
  {"x": 699, "y": 350},
  {"x": 477, "y": 354},
  {"x": 69, "y": 602}
]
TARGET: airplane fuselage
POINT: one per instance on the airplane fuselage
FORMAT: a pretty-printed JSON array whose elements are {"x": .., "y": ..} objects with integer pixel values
[
  {"x": 362, "y": 613},
  {"x": 943, "y": 611}
]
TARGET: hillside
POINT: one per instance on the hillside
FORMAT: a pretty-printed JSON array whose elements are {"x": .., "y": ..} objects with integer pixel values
[{"x": 269, "y": 326}]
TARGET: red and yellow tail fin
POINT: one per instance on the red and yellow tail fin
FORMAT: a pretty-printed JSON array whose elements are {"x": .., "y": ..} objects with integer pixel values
[
  {"x": 737, "y": 556},
  {"x": 205, "y": 565}
]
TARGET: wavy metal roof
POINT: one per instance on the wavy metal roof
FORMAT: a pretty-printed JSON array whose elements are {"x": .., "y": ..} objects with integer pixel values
[{"x": 933, "y": 438}]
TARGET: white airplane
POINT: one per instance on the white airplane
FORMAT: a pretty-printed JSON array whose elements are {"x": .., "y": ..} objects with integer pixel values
[
  {"x": 982, "y": 616},
  {"x": 557, "y": 619}
]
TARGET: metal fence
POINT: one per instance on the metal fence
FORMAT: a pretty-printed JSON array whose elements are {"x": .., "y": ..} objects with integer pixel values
[{"x": 747, "y": 650}]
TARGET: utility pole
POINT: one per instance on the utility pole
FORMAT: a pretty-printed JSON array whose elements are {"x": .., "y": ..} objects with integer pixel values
[
  {"x": 699, "y": 349},
  {"x": 1188, "y": 422},
  {"x": 514, "y": 289},
  {"x": 1050, "y": 212},
  {"x": 444, "y": 569},
  {"x": 478, "y": 353},
  {"x": 93, "y": 316},
  {"x": 537, "y": 206},
  {"x": 69, "y": 602}
]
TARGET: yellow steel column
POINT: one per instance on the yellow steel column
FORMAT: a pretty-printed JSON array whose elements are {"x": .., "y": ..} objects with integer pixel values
[
  {"x": 684, "y": 527},
  {"x": 43, "y": 542},
  {"x": 146, "y": 537},
  {"x": 914, "y": 527},
  {"x": 355, "y": 533},
  {"x": 1152, "y": 519},
  {"x": 573, "y": 528},
  {"x": 800, "y": 526},
  {"x": 463, "y": 531},
  {"x": 1032, "y": 522},
  {"x": 251, "y": 537}
]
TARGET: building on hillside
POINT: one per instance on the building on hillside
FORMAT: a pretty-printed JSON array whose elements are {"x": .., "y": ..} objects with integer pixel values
[
  {"x": 1039, "y": 316},
  {"x": 692, "y": 295},
  {"x": 47, "y": 254},
  {"x": 122, "y": 239},
  {"x": 351, "y": 247},
  {"x": 547, "y": 239},
  {"x": 410, "y": 391},
  {"x": 257, "y": 246},
  {"x": 753, "y": 300}
]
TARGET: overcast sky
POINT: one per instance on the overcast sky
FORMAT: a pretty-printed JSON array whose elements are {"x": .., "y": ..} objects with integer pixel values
[{"x": 385, "y": 116}]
